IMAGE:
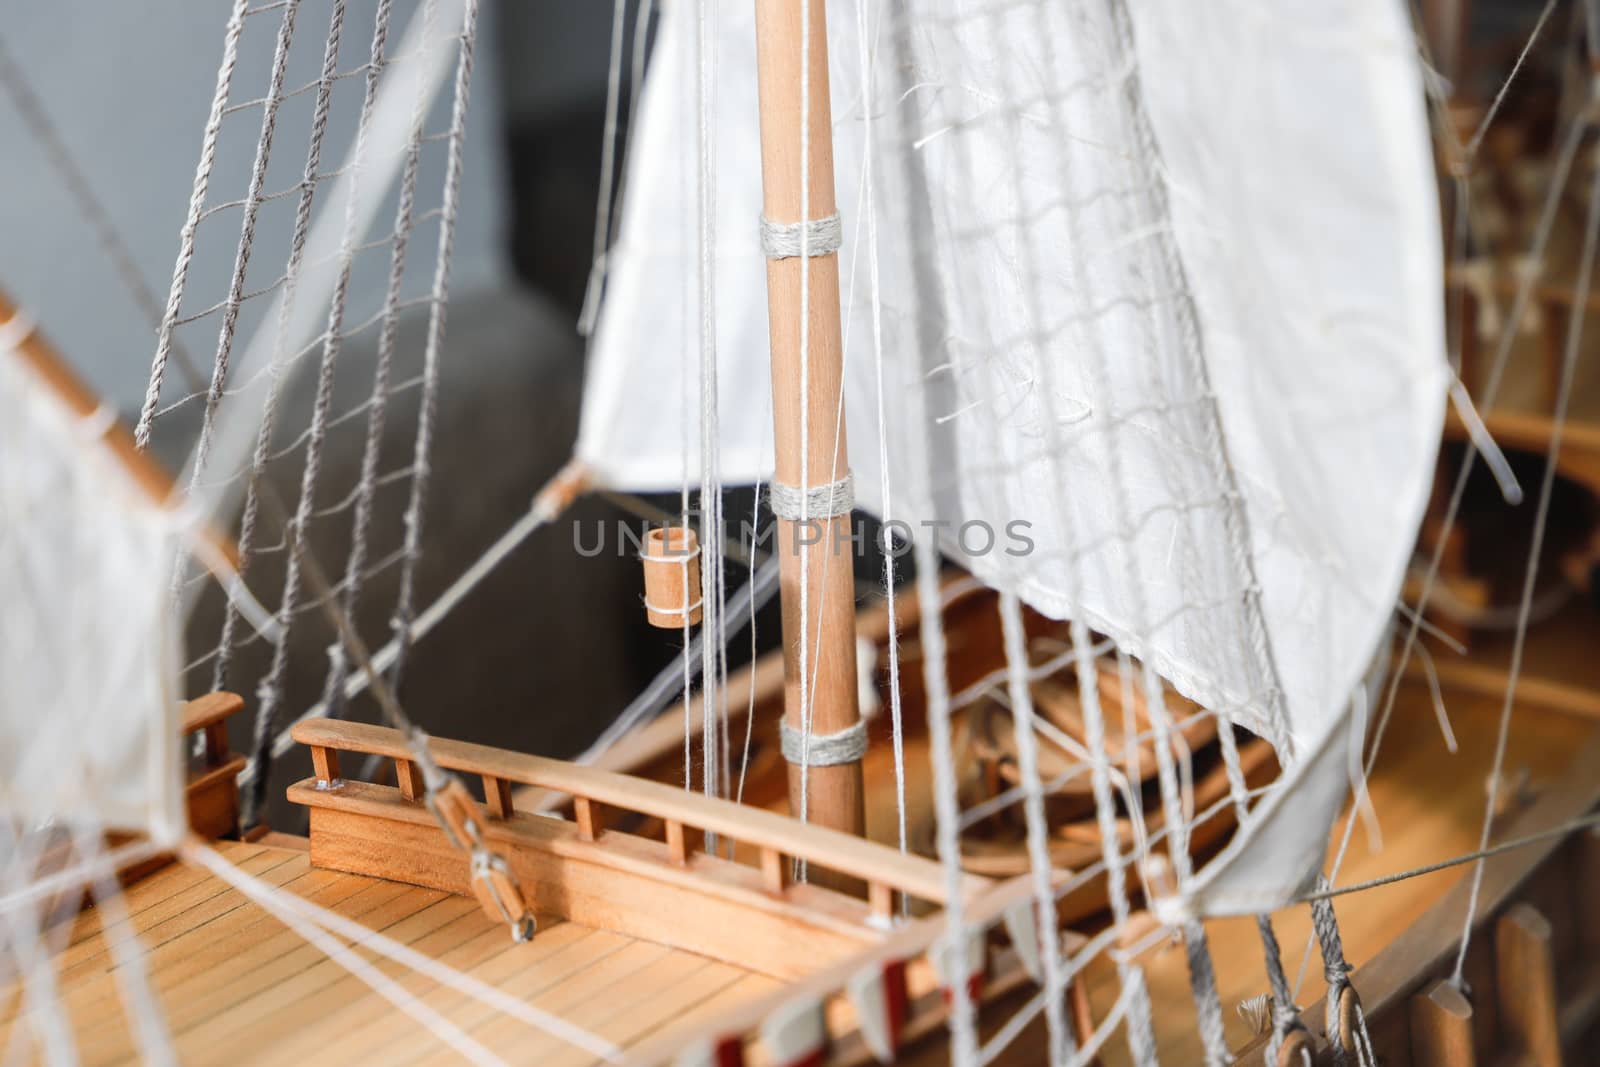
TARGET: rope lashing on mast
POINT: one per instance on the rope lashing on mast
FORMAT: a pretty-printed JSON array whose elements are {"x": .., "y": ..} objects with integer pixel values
[
  {"x": 794, "y": 504},
  {"x": 784, "y": 240},
  {"x": 823, "y": 750},
  {"x": 815, "y": 502}
]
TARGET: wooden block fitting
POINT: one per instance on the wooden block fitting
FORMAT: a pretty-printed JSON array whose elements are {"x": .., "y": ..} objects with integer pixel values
[
  {"x": 457, "y": 813},
  {"x": 672, "y": 577},
  {"x": 1297, "y": 1050}
]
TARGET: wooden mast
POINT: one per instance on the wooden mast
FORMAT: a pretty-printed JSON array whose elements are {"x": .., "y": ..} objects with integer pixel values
[{"x": 834, "y": 792}]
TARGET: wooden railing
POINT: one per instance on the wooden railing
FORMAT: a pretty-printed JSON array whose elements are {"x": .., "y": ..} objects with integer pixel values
[
  {"x": 213, "y": 786},
  {"x": 559, "y": 861}
]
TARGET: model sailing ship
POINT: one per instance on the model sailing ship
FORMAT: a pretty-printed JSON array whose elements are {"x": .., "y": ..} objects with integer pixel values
[{"x": 1095, "y": 274}]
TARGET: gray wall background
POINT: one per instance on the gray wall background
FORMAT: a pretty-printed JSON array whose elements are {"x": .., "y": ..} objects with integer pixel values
[
  {"x": 543, "y": 656},
  {"x": 128, "y": 85}
]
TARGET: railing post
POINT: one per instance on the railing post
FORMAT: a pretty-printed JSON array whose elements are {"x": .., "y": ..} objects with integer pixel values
[
  {"x": 409, "y": 778},
  {"x": 773, "y": 875},
  {"x": 497, "y": 797},
  {"x": 216, "y": 735},
  {"x": 589, "y": 816},
  {"x": 881, "y": 899},
  {"x": 677, "y": 843},
  {"x": 325, "y": 764}
]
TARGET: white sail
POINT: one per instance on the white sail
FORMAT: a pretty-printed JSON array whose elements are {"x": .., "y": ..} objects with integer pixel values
[
  {"x": 89, "y": 731},
  {"x": 1168, "y": 292}
]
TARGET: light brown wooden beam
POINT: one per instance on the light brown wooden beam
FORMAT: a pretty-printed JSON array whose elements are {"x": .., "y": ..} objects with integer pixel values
[
  {"x": 829, "y": 849},
  {"x": 834, "y": 794},
  {"x": 1491, "y": 682},
  {"x": 620, "y": 882}
]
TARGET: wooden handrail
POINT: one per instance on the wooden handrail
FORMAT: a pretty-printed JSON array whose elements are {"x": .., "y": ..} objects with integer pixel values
[
  {"x": 209, "y": 710},
  {"x": 1544, "y": 292},
  {"x": 766, "y": 830},
  {"x": 209, "y": 713}
]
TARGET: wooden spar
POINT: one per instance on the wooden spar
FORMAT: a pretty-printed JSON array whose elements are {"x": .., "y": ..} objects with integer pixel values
[{"x": 834, "y": 793}]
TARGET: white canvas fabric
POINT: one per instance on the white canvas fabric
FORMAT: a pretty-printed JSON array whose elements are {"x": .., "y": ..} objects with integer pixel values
[
  {"x": 89, "y": 708},
  {"x": 1170, "y": 297}
]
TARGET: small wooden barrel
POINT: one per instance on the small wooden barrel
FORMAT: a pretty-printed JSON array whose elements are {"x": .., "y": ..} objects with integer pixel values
[{"x": 672, "y": 577}]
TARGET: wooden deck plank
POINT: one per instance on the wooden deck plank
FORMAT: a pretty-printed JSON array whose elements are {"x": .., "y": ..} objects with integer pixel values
[
  {"x": 327, "y": 987},
  {"x": 199, "y": 958},
  {"x": 620, "y": 983},
  {"x": 86, "y": 964},
  {"x": 177, "y": 909},
  {"x": 201, "y": 996},
  {"x": 507, "y": 974},
  {"x": 349, "y": 1033},
  {"x": 302, "y": 969},
  {"x": 625, "y": 1023},
  {"x": 95, "y": 995}
]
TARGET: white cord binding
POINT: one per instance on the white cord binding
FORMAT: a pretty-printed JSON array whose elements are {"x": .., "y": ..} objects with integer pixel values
[
  {"x": 824, "y": 750},
  {"x": 782, "y": 240},
  {"x": 818, "y": 502}
]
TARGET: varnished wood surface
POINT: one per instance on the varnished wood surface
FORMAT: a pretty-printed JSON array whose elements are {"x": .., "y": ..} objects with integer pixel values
[
  {"x": 1430, "y": 807},
  {"x": 810, "y": 449},
  {"x": 831, "y": 849},
  {"x": 237, "y": 987}
]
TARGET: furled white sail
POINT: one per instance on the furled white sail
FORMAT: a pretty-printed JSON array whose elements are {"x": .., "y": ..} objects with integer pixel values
[
  {"x": 89, "y": 734},
  {"x": 1159, "y": 283}
]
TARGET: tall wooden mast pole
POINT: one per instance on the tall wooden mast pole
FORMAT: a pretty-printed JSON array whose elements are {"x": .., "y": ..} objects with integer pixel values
[{"x": 834, "y": 794}]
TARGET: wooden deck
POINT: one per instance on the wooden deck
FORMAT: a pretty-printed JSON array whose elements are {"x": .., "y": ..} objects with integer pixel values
[{"x": 238, "y": 987}]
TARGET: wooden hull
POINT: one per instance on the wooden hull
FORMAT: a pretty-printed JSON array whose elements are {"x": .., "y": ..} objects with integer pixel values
[{"x": 1532, "y": 972}]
